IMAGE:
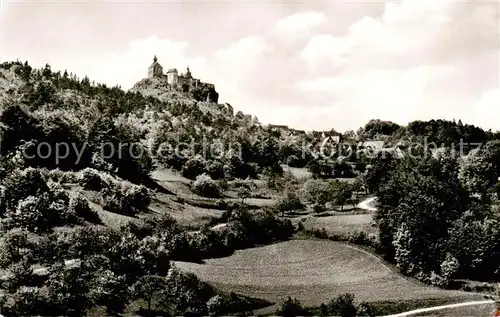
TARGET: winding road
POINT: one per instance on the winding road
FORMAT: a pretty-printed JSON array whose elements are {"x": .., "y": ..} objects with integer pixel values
[
  {"x": 436, "y": 308},
  {"x": 367, "y": 204}
]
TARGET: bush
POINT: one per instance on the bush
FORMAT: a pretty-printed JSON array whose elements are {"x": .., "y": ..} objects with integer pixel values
[
  {"x": 205, "y": 186},
  {"x": 91, "y": 180},
  {"x": 291, "y": 308},
  {"x": 80, "y": 207},
  {"x": 215, "y": 305},
  {"x": 193, "y": 168},
  {"x": 289, "y": 202},
  {"x": 316, "y": 191},
  {"x": 318, "y": 208},
  {"x": 59, "y": 176},
  {"x": 246, "y": 229},
  {"x": 126, "y": 199},
  {"x": 15, "y": 247},
  {"x": 23, "y": 183},
  {"x": 216, "y": 170},
  {"x": 31, "y": 213},
  {"x": 294, "y": 161},
  {"x": 343, "y": 306}
]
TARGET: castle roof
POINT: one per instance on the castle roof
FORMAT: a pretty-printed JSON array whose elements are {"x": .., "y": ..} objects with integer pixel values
[
  {"x": 155, "y": 62},
  {"x": 172, "y": 70}
]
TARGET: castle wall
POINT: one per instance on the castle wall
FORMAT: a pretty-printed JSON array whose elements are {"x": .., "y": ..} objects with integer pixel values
[
  {"x": 155, "y": 71},
  {"x": 172, "y": 78}
]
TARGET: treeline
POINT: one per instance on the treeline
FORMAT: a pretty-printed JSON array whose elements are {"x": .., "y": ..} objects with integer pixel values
[
  {"x": 439, "y": 216},
  {"x": 440, "y": 132}
]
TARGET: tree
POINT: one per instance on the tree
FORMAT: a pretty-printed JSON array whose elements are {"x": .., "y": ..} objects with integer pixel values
[
  {"x": 110, "y": 290},
  {"x": 341, "y": 193},
  {"x": 380, "y": 167},
  {"x": 288, "y": 202},
  {"x": 205, "y": 186},
  {"x": 15, "y": 247},
  {"x": 68, "y": 289},
  {"x": 343, "y": 306},
  {"x": 21, "y": 274},
  {"x": 27, "y": 301},
  {"x": 272, "y": 175},
  {"x": 148, "y": 288},
  {"x": 153, "y": 255},
  {"x": 193, "y": 168},
  {"x": 320, "y": 168},
  {"x": 291, "y": 308},
  {"x": 479, "y": 171},
  {"x": 316, "y": 191},
  {"x": 243, "y": 191},
  {"x": 420, "y": 193}
]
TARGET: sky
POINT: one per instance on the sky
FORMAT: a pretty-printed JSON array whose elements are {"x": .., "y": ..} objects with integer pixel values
[{"x": 310, "y": 65}]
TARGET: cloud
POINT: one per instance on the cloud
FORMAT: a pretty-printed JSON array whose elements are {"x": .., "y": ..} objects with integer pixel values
[
  {"x": 131, "y": 65},
  {"x": 483, "y": 112},
  {"x": 415, "y": 59},
  {"x": 300, "y": 21}
]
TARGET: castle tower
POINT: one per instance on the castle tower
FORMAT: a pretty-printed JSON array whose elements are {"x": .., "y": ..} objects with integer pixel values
[
  {"x": 172, "y": 76},
  {"x": 155, "y": 70}
]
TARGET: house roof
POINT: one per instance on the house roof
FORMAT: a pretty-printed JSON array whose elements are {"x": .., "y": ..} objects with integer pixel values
[{"x": 335, "y": 139}]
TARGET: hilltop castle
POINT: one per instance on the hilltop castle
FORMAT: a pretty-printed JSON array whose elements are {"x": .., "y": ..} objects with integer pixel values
[{"x": 173, "y": 77}]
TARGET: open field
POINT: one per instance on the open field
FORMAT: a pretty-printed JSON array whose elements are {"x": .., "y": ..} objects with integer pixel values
[
  {"x": 341, "y": 223},
  {"x": 313, "y": 271},
  {"x": 185, "y": 214}
]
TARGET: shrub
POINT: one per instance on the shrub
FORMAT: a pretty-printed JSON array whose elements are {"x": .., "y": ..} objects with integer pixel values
[
  {"x": 31, "y": 213},
  {"x": 317, "y": 208},
  {"x": 245, "y": 229},
  {"x": 90, "y": 179},
  {"x": 215, "y": 305},
  {"x": 139, "y": 196},
  {"x": 289, "y": 202},
  {"x": 343, "y": 305},
  {"x": 126, "y": 199},
  {"x": 291, "y": 308},
  {"x": 80, "y": 207},
  {"x": 205, "y": 186},
  {"x": 450, "y": 266},
  {"x": 23, "y": 183},
  {"x": 193, "y": 168},
  {"x": 15, "y": 246},
  {"x": 316, "y": 191},
  {"x": 59, "y": 176},
  {"x": 294, "y": 161},
  {"x": 26, "y": 301},
  {"x": 215, "y": 169}
]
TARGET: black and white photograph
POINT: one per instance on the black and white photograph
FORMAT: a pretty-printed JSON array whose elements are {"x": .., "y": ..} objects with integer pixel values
[{"x": 250, "y": 158}]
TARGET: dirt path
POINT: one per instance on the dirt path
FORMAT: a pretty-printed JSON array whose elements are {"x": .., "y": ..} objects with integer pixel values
[
  {"x": 436, "y": 308},
  {"x": 367, "y": 204}
]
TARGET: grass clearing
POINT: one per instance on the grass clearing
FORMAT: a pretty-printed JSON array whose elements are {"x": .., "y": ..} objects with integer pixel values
[
  {"x": 185, "y": 214},
  {"x": 341, "y": 223},
  {"x": 313, "y": 271}
]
